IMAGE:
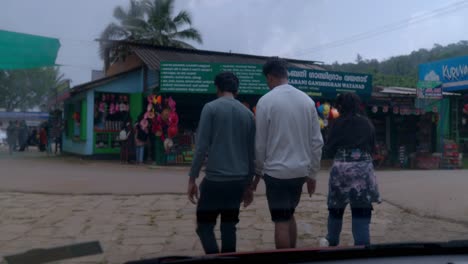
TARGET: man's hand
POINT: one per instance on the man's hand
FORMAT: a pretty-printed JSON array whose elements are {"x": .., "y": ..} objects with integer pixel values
[
  {"x": 192, "y": 191},
  {"x": 255, "y": 182},
  {"x": 311, "y": 184},
  {"x": 248, "y": 196}
]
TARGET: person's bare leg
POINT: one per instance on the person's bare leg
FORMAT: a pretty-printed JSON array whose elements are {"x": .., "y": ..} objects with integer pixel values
[
  {"x": 293, "y": 232},
  {"x": 282, "y": 236}
]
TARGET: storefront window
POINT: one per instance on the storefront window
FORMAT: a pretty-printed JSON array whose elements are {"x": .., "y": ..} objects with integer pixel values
[
  {"x": 75, "y": 113},
  {"x": 111, "y": 112}
]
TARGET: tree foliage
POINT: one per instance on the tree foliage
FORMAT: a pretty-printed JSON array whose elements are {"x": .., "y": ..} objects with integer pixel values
[
  {"x": 148, "y": 22},
  {"x": 26, "y": 89},
  {"x": 401, "y": 70}
]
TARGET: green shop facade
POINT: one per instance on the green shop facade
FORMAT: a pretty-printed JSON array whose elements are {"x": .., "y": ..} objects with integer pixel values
[
  {"x": 187, "y": 77},
  {"x": 89, "y": 131}
]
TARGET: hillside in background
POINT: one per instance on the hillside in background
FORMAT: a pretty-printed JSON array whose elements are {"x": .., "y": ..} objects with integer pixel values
[{"x": 401, "y": 70}]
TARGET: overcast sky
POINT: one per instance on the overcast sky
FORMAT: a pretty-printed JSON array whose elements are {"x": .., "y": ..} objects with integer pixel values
[{"x": 289, "y": 28}]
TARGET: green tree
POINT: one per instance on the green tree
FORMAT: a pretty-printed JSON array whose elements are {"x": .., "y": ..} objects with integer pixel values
[
  {"x": 148, "y": 22},
  {"x": 402, "y": 70},
  {"x": 26, "y": 89}
]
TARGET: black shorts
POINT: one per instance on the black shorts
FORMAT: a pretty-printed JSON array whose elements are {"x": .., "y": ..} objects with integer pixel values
[
  {"x": 283, "y": 196},
  {"x": 220, "y": 198}
]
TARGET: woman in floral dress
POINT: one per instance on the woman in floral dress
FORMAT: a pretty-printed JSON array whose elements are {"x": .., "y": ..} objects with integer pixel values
[{"x": 352, "y": 181}]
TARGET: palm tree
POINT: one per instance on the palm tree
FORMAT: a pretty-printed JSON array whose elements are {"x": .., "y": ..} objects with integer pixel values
[{"x": 148, "y": 22}]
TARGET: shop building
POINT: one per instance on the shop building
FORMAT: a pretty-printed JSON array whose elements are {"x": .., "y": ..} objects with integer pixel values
[{"x": 96, "y": 111}]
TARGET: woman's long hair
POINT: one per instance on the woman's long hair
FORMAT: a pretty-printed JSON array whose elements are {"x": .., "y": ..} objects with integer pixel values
[{"x": 348, "y": 104}]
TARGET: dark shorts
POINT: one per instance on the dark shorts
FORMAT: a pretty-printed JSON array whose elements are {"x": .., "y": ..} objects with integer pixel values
[
  {"x": 220, "y": 198},
  {"x": 283, "y": 197}
]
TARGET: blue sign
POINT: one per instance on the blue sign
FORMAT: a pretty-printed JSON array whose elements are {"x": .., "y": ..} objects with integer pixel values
[{"x": 452, "y": 73}]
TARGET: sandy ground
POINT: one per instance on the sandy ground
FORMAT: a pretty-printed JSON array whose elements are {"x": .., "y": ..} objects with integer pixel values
[
  {"x": 440, "y": 194},
  {"x": 141, "y": 212}
]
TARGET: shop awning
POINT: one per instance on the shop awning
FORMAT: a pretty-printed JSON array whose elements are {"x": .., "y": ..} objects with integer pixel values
[
  {"x": 24, "y": 51},
  {"x": 392, "y": 90},
  {"x": 24, "y": 116}
]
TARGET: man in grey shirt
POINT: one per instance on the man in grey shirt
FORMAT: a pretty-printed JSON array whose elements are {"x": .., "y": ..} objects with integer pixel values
[{"x": 226, "y": 133}]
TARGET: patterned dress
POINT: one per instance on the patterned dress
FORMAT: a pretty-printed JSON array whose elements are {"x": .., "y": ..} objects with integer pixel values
[{"x": 352, "y": 180}]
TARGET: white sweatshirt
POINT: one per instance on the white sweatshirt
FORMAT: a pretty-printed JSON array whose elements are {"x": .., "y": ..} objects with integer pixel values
[{"x": 288, "y": 141}]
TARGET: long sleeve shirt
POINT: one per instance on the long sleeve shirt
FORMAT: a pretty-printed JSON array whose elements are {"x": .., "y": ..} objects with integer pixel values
[
  {"x": 350, "y": 132},
  {"x": 288, "y": 138},
  {"x": 226, "y": 133}
]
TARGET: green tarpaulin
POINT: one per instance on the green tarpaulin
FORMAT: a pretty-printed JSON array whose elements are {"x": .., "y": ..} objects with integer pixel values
[{"x": 24, "y": 51}]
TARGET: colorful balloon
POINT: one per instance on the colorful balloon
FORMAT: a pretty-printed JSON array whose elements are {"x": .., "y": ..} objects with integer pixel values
[
  {"x": 334, "y": 113},
  {"x": 326, "y": 109},
  {"x": 322, "y": 124},
  {"x": 320, "y": 109},
  {"x": 172, "y": 131},
  {"x": 173, "y": 119}
]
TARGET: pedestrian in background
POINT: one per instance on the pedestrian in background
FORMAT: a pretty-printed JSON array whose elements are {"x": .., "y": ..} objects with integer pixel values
[
  {"x": 42, "y": 139},
  {"x": 288, "y": 149},
  {"x": 124, "y": 136},
  {"x": 11, "y": 137},
  {"x": 226, "y": 133},
  {"x": 23, "y": 134},
  {"x": 141, "y": 138},
  {"x": 352, "y": 179}
]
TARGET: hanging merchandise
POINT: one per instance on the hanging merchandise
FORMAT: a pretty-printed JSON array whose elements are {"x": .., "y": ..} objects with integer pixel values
[
  {"x": 326, "y": 110},
  {"x": 375, "y": 109},
  {"x": 322, "y": 124},
  {"x": 385, "y": 109},
  {"x": 465, "y": 115},
  {"x": 320, "y": 111},
  {"x": 396, "y": 110},
  {"x": 77, "y": 117},
  {"x": 334, "y": 114},
  {"x": 163, "y": 118},
  {"x": 326, "y": 113},
  {"x": 402, "y": 156}
]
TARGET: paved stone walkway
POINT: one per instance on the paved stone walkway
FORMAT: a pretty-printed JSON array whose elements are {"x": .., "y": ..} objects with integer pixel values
[{"x": 133, "y": 227}]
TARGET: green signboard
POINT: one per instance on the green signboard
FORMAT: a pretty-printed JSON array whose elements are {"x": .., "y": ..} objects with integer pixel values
[
  {"x": 330, "y": 83},
  {"x": 178, "y": 77},
  {"x": 429, "y": 90}
]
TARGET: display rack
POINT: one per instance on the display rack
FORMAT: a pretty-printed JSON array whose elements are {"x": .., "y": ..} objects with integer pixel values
[
  {"x": 106, "y": 142},
  {"x": 451, "y": 157}
]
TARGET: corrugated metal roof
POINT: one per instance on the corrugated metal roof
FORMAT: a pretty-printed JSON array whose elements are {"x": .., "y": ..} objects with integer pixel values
[
  {"x": 152, "y": 57},
  {"x": 405, "y": 91}
]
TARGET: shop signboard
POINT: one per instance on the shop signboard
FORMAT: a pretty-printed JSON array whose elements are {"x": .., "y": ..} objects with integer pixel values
[
  {"x": 180, "y": 77},
  {"x": 429, "y": 90},
  {"x": 330, "y": 83},
  {"x": 452, "y": 73}
]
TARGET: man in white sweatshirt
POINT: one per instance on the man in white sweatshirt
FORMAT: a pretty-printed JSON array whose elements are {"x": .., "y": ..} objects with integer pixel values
[{"x": 288, "y": 148}]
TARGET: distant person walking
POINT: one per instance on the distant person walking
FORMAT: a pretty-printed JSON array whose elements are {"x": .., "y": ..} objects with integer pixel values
[
  {"x": 42, "y": 139},
  {"x": 226, "y": 134},
  {"x": 288, "y": 148},
  {"x": 11, "y": 137},
  {"x": 124, "y": 137},
  {"x": 352, "y": 179},
  {"x": 23, "y": 135},
  {"x": 141, "y": 138}
]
